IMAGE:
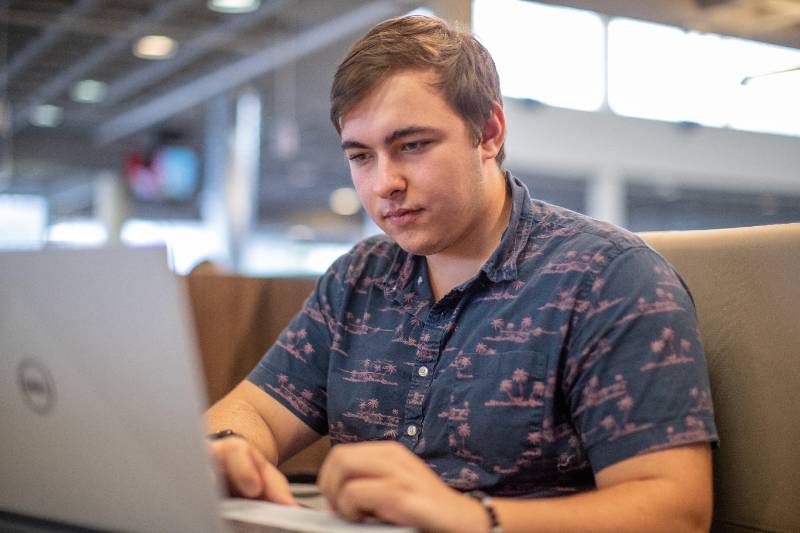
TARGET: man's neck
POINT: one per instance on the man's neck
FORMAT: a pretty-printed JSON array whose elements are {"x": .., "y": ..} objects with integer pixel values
[{"x": 448, "y": 270}]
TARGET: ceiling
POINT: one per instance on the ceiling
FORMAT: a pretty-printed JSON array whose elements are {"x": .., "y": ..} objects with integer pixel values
[{"x": 286, "y": 51}]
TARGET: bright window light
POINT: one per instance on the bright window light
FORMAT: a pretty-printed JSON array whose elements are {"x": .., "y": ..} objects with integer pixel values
[
  {"x": 77, "y": 232},
  {"x": 665, "y": 73},
  {"x": 23, "y": 219},
  {"x": 551, "y": 54},
  {"x": 188, "y": 243},
  {"x": 767, "y": 104},
  {"x": 267, "y": 254}
]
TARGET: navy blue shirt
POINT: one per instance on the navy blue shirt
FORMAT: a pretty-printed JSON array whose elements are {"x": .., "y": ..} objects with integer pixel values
[{"x": 576, "y": 346}]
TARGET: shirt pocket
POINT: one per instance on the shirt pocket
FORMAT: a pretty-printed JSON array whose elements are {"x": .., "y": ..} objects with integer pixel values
[
  {"x": 365, "y": 401},
  {"x": 496, "y": 411}
]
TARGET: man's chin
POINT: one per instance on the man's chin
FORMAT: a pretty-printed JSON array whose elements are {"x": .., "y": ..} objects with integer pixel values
[{"x": 417, "y": 247}]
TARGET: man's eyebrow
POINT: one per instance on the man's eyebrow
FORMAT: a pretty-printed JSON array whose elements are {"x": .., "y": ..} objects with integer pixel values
[
  {"x": 352, "y": 144},
  {"x": 394, "y": 136},
  {"x": 405, "y": 132}
]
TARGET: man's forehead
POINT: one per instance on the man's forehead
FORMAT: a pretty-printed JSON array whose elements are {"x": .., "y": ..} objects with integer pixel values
[
  {"x": 426, "y": 81},
  {"x": 404, "y": 104}
]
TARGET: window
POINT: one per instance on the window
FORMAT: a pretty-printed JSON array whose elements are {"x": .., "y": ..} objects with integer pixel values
[
  {"x": 665, "y": 73},
  {"x": 658, "y": 207},
  {"x": 545, "y": 53},
  {"x": 556, "y": 55},
  {"x": 567, "y": 191},
  {"x": 23, "y": 220}
]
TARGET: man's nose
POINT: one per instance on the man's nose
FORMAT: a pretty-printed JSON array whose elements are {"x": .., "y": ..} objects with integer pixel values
[{"x": 389, "y": 179}]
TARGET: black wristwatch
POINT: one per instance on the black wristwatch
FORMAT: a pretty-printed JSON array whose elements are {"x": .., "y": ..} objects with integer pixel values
[
  {"x": 486, "y": 502},
  {"x": 223, "y": 434}
]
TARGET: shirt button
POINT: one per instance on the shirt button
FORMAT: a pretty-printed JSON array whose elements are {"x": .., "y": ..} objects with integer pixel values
[
  {"x": 419, "y": 280},
  {"x": 423, "y": 371},
  {"x": 411, "y": 431}
]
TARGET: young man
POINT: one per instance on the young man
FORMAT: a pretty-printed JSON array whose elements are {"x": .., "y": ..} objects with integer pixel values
[{"x": 487, "y": 342}]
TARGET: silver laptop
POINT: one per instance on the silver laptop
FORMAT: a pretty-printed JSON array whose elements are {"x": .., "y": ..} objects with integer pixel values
[{"x": 101, "y": 400}]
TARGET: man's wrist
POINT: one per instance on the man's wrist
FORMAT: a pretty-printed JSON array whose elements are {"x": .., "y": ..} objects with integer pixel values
[{"x": 489, "y": 510}]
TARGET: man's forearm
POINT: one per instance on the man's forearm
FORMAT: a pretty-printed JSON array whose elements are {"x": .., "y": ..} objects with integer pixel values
[
  {"x": 239, "y": 416},
  {"x": 641, "y": 505}
]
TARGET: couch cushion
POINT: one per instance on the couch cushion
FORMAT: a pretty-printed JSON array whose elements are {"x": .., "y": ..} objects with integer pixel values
[
  {"x": 237, "y": 318},
  {"x": 746, "y": 286}
]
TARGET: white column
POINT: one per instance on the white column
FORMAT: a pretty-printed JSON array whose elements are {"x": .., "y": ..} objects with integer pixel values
[
  {"x": 217, "y": 162},
  {"x": 606, "y": 196},
  {"x": 241, "y": 186},
  {"x": 110, "y": 204},
  {"x": 6, "y": 169}
]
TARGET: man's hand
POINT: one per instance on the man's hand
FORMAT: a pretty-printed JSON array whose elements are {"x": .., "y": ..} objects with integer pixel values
[
  {"x": 387, "y": 481},
  {"x": 668, "y": 490},
  {"x": 248, "y": 463},
  {"x": 248, "y": 473}
]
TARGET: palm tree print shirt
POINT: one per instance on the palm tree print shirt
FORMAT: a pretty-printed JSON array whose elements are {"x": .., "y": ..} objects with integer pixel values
[{"x": 576, "y": 346}]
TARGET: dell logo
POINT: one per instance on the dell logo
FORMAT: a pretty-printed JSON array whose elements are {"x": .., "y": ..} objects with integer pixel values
[{"x": 37, "y": 386}]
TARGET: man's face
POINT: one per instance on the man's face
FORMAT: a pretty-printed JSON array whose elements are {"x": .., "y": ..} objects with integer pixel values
[{"x": 415, "y": 165}]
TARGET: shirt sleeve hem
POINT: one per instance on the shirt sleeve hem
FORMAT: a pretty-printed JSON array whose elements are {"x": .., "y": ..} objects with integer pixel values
[
  {"x": 312, "y": 415},
  {"x": 656, "y": 438}
]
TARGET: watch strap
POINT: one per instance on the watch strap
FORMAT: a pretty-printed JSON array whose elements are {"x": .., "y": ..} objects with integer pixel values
[
  {"x": 486, "y": 502},
  {"x": 223, "y": 434}
]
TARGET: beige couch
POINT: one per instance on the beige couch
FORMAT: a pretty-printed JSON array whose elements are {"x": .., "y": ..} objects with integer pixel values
[{"x": 746, "y": 284}]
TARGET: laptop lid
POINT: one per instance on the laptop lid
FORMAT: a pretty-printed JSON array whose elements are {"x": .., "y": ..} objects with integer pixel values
[{"x": 100, "y": 393}]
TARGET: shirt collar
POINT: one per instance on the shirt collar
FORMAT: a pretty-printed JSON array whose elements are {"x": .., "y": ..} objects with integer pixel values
[{"x": 502, "y": 264}]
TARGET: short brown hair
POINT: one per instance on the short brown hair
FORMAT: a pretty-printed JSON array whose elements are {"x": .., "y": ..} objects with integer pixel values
[{"x": 465, "y": 69}]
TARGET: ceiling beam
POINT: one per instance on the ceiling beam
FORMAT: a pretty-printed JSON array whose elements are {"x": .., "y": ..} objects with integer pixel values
[
  {"x": 246, "y": 69},
  {"x": 59, "y": 83},
  {"x": 97, "y": 27},
  {"x": 212, "y": 39},
  {"x": 48, "y": 37}
]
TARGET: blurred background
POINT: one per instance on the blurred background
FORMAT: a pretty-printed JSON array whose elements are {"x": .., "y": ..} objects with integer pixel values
[{"x": 203, "y": 124}]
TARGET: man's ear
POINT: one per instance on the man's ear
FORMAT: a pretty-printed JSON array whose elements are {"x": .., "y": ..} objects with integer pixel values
[{"x": 494, "y": 133}]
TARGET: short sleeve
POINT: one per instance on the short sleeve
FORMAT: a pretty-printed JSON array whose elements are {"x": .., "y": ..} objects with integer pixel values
[
  {"x": 635, "y": 378},
  {"x": 294, "y": 370}
]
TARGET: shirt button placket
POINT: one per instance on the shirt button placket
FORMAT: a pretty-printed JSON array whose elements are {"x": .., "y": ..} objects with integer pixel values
[{"x": 432, "y": 336}]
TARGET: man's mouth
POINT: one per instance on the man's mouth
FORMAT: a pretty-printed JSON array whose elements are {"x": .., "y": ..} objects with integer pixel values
[{"x": 400, "y": 217}]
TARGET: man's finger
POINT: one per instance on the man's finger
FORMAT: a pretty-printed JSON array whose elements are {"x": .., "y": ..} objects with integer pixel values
[
  {"x": 364, "y": 460},
  {"x": 276, "y": 486},
  {"x": 371, "y": 497},
  {"x": 243, "y": 473}
]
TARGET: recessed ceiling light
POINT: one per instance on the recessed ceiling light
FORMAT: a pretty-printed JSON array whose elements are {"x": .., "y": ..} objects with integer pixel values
[
  {"x": 46, "y": 116},
  {"x": 344, "y": 201},
  {"x": 233, "y": 6},
  {"x": 155, "y": 47},
  {"x": 89, "y": 91}
]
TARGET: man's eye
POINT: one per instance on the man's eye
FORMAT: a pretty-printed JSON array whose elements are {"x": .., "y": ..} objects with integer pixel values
[
  {"x": 414, "y": 145},
  {"x": 357, "y": 158}
]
